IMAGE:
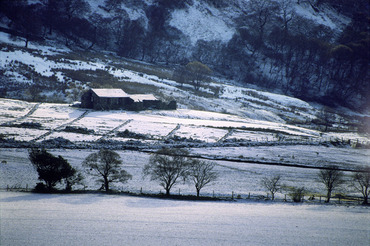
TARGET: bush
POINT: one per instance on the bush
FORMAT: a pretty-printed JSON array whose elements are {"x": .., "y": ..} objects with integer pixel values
[
  {"x": 51, "y": 169},
  {"x": 76, "y": 129},
  {"x": 297, "y": 194},
  {"x": 128, "y": 134}
]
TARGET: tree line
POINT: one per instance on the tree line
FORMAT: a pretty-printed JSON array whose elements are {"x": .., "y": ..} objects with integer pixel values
[
  {"x": 169, "y": 167},
  {"x": 166, "y": 166}
]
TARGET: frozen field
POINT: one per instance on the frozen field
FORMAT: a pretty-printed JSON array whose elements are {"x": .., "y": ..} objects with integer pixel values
[{"x": 89, "y": 219}]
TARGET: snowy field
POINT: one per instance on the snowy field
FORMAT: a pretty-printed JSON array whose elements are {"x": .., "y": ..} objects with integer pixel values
[
  {"x": 203, "y": 126},
  {"x": 92, "y": 219},
  {"x": 240, "y": 178}
]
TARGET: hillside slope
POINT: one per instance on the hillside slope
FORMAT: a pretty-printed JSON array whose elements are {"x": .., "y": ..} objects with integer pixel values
[
  {"x": 50, "y": 74},
  {"x": 313, "y": 50}
]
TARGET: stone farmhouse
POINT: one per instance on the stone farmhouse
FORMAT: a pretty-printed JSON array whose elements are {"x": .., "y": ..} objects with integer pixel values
[{"x": 110, "y": 99}]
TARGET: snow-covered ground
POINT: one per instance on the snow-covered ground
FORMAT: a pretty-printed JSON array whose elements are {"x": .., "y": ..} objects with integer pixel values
[
  {"x": 205, "y": 126},
  {"x": 95, "y": 219}
]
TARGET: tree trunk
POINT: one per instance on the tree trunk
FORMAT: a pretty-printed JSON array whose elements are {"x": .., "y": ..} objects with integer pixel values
[
  {"x": 365, "y": 197},
  {"x": 106, "y": 184},
  {"x": 328, "y": 195},
  {"x": 198, "y": 192},
  {"x": 167, "y": 192},
  {"x": 49, "y": 186}
]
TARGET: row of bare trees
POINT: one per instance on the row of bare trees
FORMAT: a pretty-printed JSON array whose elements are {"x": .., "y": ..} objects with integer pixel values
[
  {"x": 166, "y": 166},
  {"x": 169, "y": 167},
  {"x": 331, "y": 177}
]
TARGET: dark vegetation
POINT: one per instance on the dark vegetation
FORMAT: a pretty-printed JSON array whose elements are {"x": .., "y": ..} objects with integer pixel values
[
  {"x": 128, "y": 134},
  {"x": 77, "y": 129},
  {"x": 53, "y": 170},
  {"x": 32, "y": 125},
  {"x": 299, "y": 57}
]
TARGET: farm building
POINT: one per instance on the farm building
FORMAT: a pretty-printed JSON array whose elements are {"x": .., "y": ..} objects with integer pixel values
[{"x": 108, "y": 99}]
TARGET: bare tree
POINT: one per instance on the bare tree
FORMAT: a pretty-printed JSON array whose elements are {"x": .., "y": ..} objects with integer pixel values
[
  {"x": 272, "y": 185},
  {"x": 326, "y": 117},
  {"x": 286, "y": 12},
  {"x": 361, "y": 182},
  {"x": 258, "y": 18},
  {"x": 167, "y": 166},
  {"x": 331, "y": 178},
  {"x": 197, "y": 73},
  {"x": 201, "y": 173},
  {"x": 106, "y": 164},
  {"x": 181, "y": 75}
]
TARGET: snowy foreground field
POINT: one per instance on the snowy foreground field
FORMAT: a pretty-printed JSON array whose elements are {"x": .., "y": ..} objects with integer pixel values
[{"x": 92, "y": 219}]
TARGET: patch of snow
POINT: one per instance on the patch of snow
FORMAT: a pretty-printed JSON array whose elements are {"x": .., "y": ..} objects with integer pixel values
[
  {"x": 327, "y": 17},
  {"x": 199, "y": 23}
]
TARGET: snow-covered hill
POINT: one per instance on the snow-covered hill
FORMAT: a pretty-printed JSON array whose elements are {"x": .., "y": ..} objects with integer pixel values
[
  {"x": 58, "y": 67},
  {"x": 288, "y": 49}
]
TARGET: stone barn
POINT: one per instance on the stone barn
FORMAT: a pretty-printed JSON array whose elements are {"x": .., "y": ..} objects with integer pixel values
[{"x": 110, "y": 99}]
